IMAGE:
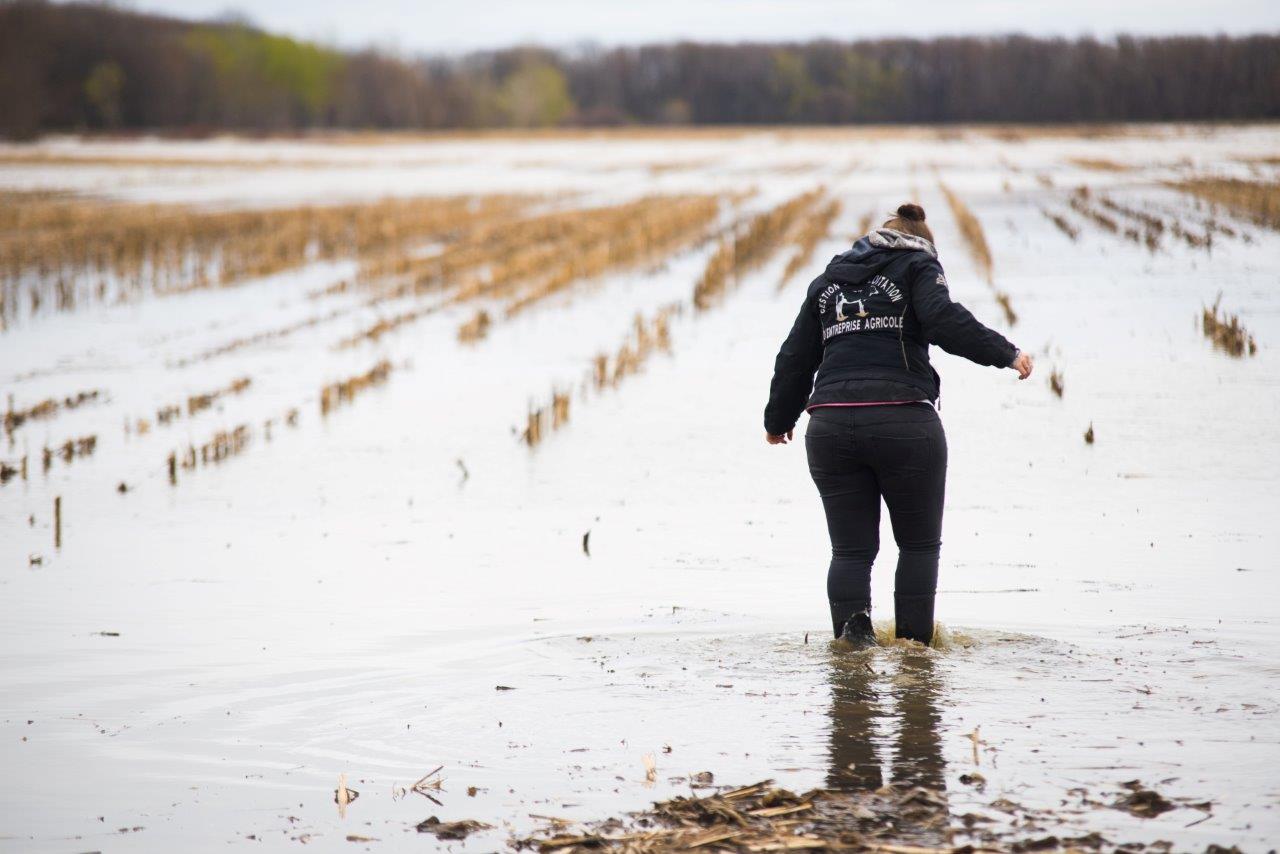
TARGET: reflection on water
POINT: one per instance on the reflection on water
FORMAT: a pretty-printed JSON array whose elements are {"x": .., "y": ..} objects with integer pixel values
[{"x": 902, "y": 698}]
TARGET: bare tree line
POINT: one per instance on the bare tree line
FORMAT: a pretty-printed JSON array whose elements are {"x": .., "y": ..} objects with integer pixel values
[{"x": 95, "y": 67}]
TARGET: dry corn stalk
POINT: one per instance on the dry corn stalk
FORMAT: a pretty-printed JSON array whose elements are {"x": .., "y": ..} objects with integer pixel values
[
  {"x": 971, "y": 230},
  {"x": 1100, "y": 164},
  {"x": 551, "y": 416},
  {"x": 83, "y": 250},
  {"x": 1226, "y": 332},
  {"x": 475, "y": 328},
  {"x": 1256, "y": 201},
  {"x": 749, "y": 247},
  {"x": 1062, "y": 224},
  {"x": 646, "y": 337},
  {"x": 812, "y": 228},
  {"x": 47, "y": 408},
  {"x": 343, "y": 392}
]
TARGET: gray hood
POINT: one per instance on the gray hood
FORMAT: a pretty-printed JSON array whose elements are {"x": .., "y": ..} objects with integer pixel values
[{"x": 872, "y": 253}]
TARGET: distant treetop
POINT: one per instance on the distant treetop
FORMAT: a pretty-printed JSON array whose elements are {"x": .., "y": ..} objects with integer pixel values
[{"x": 86, "y": 67}]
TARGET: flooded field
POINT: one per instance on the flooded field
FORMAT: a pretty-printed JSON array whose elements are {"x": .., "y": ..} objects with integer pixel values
[{"x": 353, "y": 482}]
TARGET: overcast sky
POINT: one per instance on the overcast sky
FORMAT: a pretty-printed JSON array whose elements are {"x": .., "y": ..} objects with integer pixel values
[{"x": 433, "y": 26}]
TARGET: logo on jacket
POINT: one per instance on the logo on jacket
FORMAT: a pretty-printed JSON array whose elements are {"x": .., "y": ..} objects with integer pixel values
[
  {"x": 841, "y": 302},
  {"x": 878, "y": 292}
]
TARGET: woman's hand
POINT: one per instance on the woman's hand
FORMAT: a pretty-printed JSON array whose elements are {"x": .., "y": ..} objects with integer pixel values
[
  {"x": 778, "y": 440},
  {"x": 1024, "y": 364}
]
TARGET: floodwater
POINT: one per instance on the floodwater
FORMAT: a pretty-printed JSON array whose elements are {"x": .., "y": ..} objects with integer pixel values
[{"x": 402, "y": 585}]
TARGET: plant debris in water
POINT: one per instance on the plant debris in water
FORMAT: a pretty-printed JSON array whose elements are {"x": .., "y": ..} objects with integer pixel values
[
  {"x": 1143, "y": 802},
  {"x": 451, "y": 829},
  {"x": 337, "y": 394},
  {"x": 1257, "y": 201},
  {"x": 1056, "y": 383},
  {"x": 14, "y": 418},
  {"x": 1225, "y": 331},
  {"x": 900, "y": 818},
  {"x": 763, "y": 817}
]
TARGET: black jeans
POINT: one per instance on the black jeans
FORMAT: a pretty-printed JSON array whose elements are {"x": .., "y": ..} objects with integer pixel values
[{"x": 857, "y": 455}]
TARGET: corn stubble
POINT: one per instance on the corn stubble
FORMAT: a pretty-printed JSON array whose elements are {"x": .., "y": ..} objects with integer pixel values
[
  {"x": 750, "y": 246},
  {"x": 647, "y": 335},
  {"x": 1100, "y": 164},
  {"x": 71, "y": 449},
  {"x": 1061, "y": 223},
  {"x": 546, "y": 418},
  {"x": 1226, "y": 331},
  {"x": 343, "y": 392},
  {"x": 71, "y": 250},
  {"x": 813, "y": 227},
  {"x": 519, "y": 261},
  {"x": 1146, "y": 225},
  {"x": 222, "y": 445},
  {"x": 46, "y": 409},
  {"x": 1056, "y": 383},
  {"x": 798, "y": 221},
  {"x": 975, "y": 239},
  {"x": 194, "y": 405},
  {"x": 1255, "y": 201}
]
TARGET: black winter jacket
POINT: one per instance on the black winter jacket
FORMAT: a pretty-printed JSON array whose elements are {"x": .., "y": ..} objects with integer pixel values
[{"x": 866, "y": 326}]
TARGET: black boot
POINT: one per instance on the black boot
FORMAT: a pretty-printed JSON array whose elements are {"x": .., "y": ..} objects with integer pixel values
[
  {"x": 843, "y": 609},
  {"x": 913, "y": 614},
  {"x": 851, "y": 622}
]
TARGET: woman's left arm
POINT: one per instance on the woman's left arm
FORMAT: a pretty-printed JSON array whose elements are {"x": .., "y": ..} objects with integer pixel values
[
  {"x": 950, "y": 325},
  {"x": 793, "y": 371}
]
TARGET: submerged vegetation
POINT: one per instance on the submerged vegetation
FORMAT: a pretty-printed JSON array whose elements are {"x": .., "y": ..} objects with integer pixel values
[
  {"x": 1056, "y": 383},
  {"x": 975, "y": 239},
  {"x": 1100, "y": 164},
  {"x": 1061, "y": 223},
  {"x": 344, "y": 392},
  {"x": 69, "y": 250},
  {"x": 1143, "y": 222},
  {"x": 69, "y": 450},
  {"x": 1226, "y": 331},
  {"x": 542, "y": 419},
  {"x": 1006, "y": 305},
  {"x": 1256, "y": 201},
  {"x": 647, "y": 335},
  {"x": 47, "y": 408},
  {"x": 523, "y": 260},
  {"x": 815, "y": 226},
  {"x": 749, "y": 246}
]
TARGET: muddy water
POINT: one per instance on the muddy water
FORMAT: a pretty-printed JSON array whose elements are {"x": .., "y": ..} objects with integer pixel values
[{"x": 344, "y": 600}]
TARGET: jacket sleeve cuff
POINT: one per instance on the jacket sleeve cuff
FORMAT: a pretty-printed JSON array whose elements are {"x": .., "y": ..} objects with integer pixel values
[{"x": 771, "y": 427}]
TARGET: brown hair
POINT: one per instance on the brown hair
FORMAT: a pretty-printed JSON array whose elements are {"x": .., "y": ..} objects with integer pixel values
[{"x": 910, "y": 220}]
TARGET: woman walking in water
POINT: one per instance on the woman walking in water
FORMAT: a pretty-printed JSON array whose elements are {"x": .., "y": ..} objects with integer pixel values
[{"x": 865, "y": 328}]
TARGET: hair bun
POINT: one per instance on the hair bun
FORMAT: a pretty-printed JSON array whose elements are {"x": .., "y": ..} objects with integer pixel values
[{"x": 912, "y": 212}]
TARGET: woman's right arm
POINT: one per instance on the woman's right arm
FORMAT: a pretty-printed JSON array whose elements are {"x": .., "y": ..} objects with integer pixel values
[
  {"x": 793, "y": 371},
  {"x": 950, "y": 325}
]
